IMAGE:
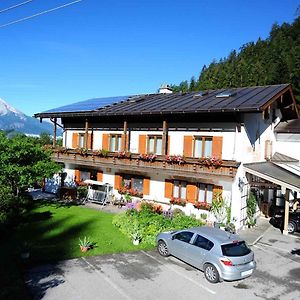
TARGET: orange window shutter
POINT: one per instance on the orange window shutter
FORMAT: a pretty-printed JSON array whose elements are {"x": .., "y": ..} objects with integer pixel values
[
  {"x": 168, "y": 188},
  {"x": 118, "y": 181},
  {"x": 146, "y": 190},
  {"x": 188, "y": 145},
  {"x": 105, "y": 141},
  {"x": 217, "y": 146},
  {"x": 142, "y": 144},
  {"x": 191, "y": 192},
  {"x": 217, "y": 190},
  {"x": 100, "y": 176},
  {"x": 77, "y": 176},
  {"x": 75, "y": 140}
]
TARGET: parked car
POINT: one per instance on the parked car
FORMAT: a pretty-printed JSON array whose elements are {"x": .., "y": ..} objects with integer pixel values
[
  {"x": 293, "y": 224},
  {"x": 220, "y": 254}
]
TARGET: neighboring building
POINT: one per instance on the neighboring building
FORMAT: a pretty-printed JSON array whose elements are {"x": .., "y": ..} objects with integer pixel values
[{"x": 201, "y": 141}]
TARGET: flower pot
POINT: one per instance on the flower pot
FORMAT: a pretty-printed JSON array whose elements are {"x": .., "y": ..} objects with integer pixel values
[
  {"x": 84, "y": 248},
  {"x": 136, "y": 242}
]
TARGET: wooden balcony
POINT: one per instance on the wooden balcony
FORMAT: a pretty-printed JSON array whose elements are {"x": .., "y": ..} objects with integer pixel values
[{"x": 190, "y": 168}]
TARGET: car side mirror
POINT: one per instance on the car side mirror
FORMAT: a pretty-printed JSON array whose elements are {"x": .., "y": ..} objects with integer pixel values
[{"x": 173, "y": 237}]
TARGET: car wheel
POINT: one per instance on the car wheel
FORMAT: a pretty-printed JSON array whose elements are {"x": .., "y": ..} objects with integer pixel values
[
  {"x": 211, "y": 273},
  {"x": 292, "y": 227},
  {"x": 162, "y": 248}
]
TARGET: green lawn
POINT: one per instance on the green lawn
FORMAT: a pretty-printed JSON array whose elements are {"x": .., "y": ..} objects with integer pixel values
[{"x": 53, "y": 231}]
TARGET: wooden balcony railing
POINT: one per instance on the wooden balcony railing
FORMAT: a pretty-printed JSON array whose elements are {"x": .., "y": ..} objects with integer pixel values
[{"x": 132, "y": 161}]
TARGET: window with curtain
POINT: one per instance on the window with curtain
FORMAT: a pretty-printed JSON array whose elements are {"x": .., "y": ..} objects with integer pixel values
[
  {"x": 205, "y": 193},
  {"x": 115, "y": 142},
  {"x": 179, "y": 189},
  {"x": 202, "y": 146},
  {"x": 154, "y": 144},
  {"x": 81, "y": 140}
]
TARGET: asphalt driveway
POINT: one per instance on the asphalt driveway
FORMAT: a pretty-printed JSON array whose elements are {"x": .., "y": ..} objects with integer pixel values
[{"x": 146, "y": 275}]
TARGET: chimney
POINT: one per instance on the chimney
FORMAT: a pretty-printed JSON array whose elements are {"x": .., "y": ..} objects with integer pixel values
[{"x": 165, "y": 89}]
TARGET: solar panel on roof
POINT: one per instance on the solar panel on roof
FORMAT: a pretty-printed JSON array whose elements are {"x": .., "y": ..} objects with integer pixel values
[{"x": 88, "y": 105}]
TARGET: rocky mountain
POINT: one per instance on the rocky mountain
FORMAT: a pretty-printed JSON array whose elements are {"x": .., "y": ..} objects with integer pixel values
[{"x": 12, "y": 120}]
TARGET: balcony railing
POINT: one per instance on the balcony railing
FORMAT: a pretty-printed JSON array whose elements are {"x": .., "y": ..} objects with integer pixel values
[{"x": 174, "y": 165}]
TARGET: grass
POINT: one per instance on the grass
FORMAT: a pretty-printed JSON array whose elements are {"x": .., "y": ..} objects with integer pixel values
[{"x": 52, "y": 231}]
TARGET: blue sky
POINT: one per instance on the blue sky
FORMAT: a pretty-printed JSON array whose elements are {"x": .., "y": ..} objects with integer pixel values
[{"x": 107, "y": 48}]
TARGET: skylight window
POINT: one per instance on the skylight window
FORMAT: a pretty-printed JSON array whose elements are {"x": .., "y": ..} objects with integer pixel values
[
  {"x": 226, "y": 94},
  {"x": 201, "y": 94}
]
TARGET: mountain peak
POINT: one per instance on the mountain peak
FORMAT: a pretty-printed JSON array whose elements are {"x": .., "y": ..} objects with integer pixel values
[{"x": 5, "y": 109}]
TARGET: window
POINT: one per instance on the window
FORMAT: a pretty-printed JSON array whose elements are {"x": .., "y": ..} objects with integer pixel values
[
  {"x": 205, "y": 193},
  {"x": 203, "y": 243},
  {"x": 235, "y": 249},
  {"x": 154, "y": 144},
  {"x": 115, "y": 143},
  {"x": 203, "y": 146},
  {"x": 179, "y": 189},
  {"x": 81, "y": 140},
  {"x": 184, "y": 236},
  {"x": 133, "y": 182}
]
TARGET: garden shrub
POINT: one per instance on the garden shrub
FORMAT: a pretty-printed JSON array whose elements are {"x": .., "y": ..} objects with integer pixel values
[{"x": 150, "y": 224}]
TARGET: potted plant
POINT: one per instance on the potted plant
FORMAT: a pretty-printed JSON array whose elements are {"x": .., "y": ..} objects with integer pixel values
[
  {"x": 136, "y": 237},
  {"x": 218, "y": 208},
  {"x": 85, "y": 244}
]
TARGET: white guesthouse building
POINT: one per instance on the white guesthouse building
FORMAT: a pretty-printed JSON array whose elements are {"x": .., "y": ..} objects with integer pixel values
[{"x": 180, "y": 147}]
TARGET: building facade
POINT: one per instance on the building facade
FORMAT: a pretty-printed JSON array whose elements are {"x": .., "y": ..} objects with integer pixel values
[{"x": 174, "y": 148}]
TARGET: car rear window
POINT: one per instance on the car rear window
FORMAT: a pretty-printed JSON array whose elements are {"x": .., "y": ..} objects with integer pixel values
[{"x": 235, "y": 249}]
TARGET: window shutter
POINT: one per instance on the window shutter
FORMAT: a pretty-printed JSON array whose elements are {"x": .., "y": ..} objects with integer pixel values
[
  {"x": 217, "y": 146},
  {"x": 142, "y": 144},
  {"x": 188, "y": 145},
  {"x": 105, "y": 141},
  {"x": 77, "y": 176},
  {"x": 89, "y": 143},
  {"x": 75, "y": 140},
  {"x": 191, "y": 192},
  {"x": 217, "y": 190},
  {"x": 118, "y": 181},
  {"x": 100, "y": 176},
  {"x": 168, "y": 188},
  {"x": 146, "y": 190}
]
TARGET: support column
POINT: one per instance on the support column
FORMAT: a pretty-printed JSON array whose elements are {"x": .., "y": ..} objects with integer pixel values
[
  {"x": 164, "y": 138},
  {"x": 125, "y": 145},
  {"x": 286, "y": 211},
  {"x": 86, "y": 134},
  {"x": 54, "y": 132}
]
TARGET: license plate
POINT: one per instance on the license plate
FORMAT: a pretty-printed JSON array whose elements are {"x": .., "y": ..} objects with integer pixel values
[{"x": 246, "y": 273}]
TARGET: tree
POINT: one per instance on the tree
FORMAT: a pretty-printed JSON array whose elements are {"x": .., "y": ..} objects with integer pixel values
[
  {"x": 45, "y": 138},
  {"x": 23, "y": 162}
]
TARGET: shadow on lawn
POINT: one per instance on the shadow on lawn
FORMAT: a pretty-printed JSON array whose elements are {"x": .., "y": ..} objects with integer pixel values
[{"x": 52, "y": 249}]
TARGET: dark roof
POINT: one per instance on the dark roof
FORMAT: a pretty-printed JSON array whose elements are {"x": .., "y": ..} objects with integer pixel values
[
  {"x": 291, "y": 126},
  {"x": 274, "y": 173},
  {"x": 246, "y": 99}
]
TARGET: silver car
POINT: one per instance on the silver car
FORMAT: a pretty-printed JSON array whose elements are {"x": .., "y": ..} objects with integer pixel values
[{"x": 220, "y": 254}]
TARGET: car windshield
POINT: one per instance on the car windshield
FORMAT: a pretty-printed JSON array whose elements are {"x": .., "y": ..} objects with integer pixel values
[{"x": 235, "y": 249}]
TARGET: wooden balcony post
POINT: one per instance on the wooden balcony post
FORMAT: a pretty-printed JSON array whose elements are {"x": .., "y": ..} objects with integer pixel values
[
  {"x": 286, "y": 211},
  {"x": 86, "y": 134},
  {"x": 54, "y": 132},
  {"x": 124, "y": 146},
  {"x": 164, "y": 138}
]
